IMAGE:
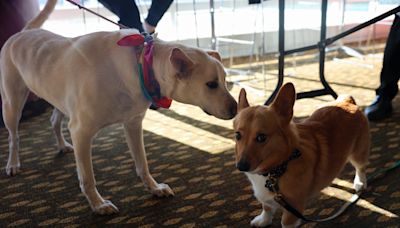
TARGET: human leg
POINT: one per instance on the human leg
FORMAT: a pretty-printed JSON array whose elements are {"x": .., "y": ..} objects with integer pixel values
[
  {"x": 391, "y": 69},
  {"x": 390, "y": 73},
  {"x": 126, "y": 10},
  {"x": 156, "y": 11}
]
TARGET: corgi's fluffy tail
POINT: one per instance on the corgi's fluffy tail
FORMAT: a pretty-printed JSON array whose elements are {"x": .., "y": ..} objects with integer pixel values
[
  {"x": 347, "y": 99},
  {"x": 39, "y": 20}
]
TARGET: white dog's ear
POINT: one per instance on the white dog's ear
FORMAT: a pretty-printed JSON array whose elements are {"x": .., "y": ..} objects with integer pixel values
[
  {"x": 215, "y": 55},
  {"x": 284, "y": 102},
  {"x": 181, "y": 62},
  {"x": 243, "y": 103}
]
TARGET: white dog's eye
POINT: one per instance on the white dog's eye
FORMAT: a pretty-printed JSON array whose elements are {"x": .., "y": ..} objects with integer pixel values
[
  {"x": 212, "y": 85},
  {"x": 238, "y": 136},
  {"x": 261, "y": 138}
]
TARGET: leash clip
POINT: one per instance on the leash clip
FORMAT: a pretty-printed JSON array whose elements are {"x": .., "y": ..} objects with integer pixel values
[
  {"x": 147, "y": 37},
  {"x": 279, "y": 198},
  {"x": 272, "y": 183}
]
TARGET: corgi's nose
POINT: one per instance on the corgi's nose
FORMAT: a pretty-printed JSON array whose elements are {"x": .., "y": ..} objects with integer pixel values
[{"x": 243, "y": 166}]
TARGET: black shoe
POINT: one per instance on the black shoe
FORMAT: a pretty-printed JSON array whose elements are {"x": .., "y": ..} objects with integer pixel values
[{"x": 380, "y": 109}]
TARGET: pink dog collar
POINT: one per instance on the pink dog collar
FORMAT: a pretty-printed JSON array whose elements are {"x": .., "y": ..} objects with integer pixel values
[{"x": 148, "y": 83}]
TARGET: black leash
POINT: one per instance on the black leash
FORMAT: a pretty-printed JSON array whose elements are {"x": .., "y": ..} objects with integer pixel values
[
  {"x": 281, "y": 201},
  {"x": 278, "y": 171},
  {"x": 99, "y": 15}
]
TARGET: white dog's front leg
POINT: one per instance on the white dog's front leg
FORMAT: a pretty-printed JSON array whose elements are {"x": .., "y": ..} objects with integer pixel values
[
  {"x": 82, "y": 139},
  {"x": 134, "y": 137},
  {"x": 56, "y": 120}
]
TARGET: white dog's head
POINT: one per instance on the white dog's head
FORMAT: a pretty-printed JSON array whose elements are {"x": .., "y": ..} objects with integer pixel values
[{"x": 196, "y": 77}]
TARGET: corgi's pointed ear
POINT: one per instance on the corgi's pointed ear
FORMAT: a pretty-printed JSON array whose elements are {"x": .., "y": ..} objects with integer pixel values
[
  {"x": 284, "y": 102},
  {"x": 215, "y": 55},
  {"x": 181, "y": 62},
  {"x": 243, "y": 103}
]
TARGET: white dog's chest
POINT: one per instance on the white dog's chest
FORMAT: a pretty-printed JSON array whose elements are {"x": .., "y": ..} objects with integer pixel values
[{"x": 260, "y": 191}]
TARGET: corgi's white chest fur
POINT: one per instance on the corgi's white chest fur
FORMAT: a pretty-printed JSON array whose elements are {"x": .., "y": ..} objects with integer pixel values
[{"x": 260, "y": 191}]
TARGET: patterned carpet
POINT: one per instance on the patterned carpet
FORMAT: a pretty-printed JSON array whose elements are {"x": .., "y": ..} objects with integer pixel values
[{"x": 193, "y": 153}]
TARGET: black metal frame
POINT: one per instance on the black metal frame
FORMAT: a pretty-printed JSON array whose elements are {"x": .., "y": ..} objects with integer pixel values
[{"x": 321, "y": 45}]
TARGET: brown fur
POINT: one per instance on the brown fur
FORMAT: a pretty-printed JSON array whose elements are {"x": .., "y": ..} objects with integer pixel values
[{"x": 330, "y": 137}]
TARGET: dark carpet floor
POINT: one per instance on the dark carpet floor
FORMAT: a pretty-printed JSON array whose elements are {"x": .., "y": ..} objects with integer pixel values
[{"x": 209, "y": 191}]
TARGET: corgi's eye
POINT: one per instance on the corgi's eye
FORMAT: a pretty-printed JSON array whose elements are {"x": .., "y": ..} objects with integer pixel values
[
  {"x": 261, "y": 138},
  {"x": 212, "y": 85},
  {"x": 238, "y": 136}
]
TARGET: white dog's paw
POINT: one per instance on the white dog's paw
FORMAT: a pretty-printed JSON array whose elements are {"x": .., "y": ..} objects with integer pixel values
[
  {"x": 66, "y": 149},
  {"x": 360, "y": 182},
  {"x": 162, "y": 190},
  {"x": 12, "y": 170},
  {"x": 262, "y": 220},
  {"x": 106, "y": 208}
]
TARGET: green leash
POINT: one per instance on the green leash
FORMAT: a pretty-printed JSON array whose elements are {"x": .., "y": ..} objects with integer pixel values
[{"x": 373, "y": 177}]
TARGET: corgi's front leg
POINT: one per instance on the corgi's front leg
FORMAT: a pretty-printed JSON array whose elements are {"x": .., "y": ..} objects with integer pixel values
[
  {"x": 265, "y": 218},
  {"x": 289, "y": 220}
]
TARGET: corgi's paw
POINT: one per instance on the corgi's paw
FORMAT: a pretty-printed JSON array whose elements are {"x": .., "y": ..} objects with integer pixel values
[
  {"x": 360, "y": 182},
  {"x": 262, "y": 220},
  {"x": 162, "y": 190}
]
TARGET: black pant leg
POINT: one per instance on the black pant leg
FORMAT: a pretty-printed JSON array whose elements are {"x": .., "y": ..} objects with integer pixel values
[
  {"x": 126, "y": 10},
  {"x": 390, "y": 72},
  {"x": 157, "y": 10}
]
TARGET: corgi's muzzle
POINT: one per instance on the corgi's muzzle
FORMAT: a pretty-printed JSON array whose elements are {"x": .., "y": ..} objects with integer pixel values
[{"x": 243, "y": 165}]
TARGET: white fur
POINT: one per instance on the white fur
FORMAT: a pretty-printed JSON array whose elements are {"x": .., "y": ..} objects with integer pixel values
[
  {"x": 265, "y": 197},
  {"x": 360, "y": 181},
  {"x": 260, "y": 191},
  {"x": 263, "y": 219}
]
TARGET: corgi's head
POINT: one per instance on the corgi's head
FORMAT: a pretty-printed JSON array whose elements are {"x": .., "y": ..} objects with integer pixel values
[{"x": 264, "y": 135}]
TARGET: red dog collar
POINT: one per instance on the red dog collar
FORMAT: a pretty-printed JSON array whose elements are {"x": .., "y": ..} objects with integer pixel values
[{"x": 148, "y": 83}]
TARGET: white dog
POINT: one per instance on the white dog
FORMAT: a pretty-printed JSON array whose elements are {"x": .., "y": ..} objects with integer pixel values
[{"x": 95, "y": 82}]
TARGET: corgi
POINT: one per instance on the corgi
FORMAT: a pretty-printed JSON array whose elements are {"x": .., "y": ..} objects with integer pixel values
[{"x": 312, "y": 152}]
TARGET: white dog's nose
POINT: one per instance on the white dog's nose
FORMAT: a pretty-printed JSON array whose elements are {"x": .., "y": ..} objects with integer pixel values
[{"x": 233, "y": 109}]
